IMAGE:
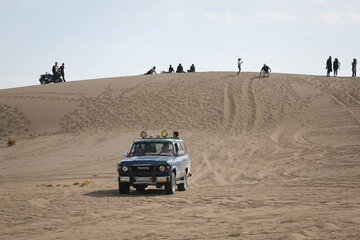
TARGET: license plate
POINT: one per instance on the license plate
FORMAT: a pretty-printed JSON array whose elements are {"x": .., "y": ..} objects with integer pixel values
[{"x": 143, "y": 179}]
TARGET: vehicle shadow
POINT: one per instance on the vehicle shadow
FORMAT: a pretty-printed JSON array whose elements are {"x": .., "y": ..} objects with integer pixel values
[{"x": 133, "y": 193}]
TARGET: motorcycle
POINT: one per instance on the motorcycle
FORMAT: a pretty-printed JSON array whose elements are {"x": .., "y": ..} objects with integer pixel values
[{"x": 48, "y": 78}]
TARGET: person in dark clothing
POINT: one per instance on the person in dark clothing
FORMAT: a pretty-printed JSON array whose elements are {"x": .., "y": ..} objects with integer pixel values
[
  {"x": 180, "y": 69},
  {"x": 192, "y": 68},
  {"x": 265, "y": 70},
  {"x": 329, "y": 66},
  {"x": 61, "y": 70},
  {"x": 353, "y": 67},
  {"x": 151, "y": 71},
  {"x": 336, "y": 66},
  {"x": 171, "y": 70}
]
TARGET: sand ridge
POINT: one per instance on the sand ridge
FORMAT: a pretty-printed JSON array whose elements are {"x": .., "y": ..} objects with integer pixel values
[{"x": 273, "y": 158}]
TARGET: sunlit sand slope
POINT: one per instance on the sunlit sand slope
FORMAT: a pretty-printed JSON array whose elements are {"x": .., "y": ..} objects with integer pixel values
[{"x": 272, "y": 158}]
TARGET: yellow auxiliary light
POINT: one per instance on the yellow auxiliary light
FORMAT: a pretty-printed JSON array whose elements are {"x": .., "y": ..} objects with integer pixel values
[
  {"x": 143, "y": 134},
  {"x": 164, "y": 134}
]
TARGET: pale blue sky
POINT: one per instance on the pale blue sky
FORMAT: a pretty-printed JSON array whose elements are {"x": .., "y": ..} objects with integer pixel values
[{"x": 108, "y": 38}]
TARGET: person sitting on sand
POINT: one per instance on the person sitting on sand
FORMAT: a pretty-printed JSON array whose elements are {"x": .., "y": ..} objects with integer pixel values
[
  {"x": 151, "y": 71},
  {"x": 192, "y": 68},
  {"x": 171, "y": 70},
  {"x": 180, "y": 69},
  {"x": 265, "y": 70}
]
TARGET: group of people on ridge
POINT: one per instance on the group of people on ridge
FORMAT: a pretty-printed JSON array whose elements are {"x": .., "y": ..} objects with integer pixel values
[
  {"x": 180, "y": 69},
  {"x": 265, "y": 70},
  {"x": 330, "y": 66},
  {"x": 59, "y": 71}
]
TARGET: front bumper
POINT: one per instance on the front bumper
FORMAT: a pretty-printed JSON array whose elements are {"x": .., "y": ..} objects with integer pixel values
[{"x": 133, "y": 180}]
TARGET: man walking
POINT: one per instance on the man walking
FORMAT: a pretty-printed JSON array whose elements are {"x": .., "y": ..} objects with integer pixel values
[
  {"x": 239, "y": 65},
  {"x": 62, "y": 73}
]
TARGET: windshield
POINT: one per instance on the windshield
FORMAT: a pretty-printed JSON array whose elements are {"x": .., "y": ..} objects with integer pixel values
[{"x": 152, "y": 148}]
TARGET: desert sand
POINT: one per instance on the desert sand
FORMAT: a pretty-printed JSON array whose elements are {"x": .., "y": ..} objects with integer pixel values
[{"x": 274, "y": 158}]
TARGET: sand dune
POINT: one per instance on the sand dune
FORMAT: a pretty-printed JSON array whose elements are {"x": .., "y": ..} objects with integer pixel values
[{"x": 274, "y": 158}]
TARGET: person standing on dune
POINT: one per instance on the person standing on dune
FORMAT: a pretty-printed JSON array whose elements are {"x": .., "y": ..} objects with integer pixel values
[
  {"x": 62, "y": 73},
  {"x": 239, "y": 65},
  {"x": 55, "y": 69},
  {"x": 329, "y": 66},
  {"x": 336, "y": 66},
  {"x": 353, "y": 67}
]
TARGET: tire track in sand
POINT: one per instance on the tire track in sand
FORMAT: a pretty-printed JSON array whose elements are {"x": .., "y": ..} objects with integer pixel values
[{"x": 229, "y": 107}]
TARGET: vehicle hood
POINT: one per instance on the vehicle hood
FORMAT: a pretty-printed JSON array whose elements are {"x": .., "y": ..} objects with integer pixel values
[{"x": 147, "y": 160}]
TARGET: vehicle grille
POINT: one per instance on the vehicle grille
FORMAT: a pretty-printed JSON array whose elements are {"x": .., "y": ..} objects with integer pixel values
[{"x": 142, "y": 169}]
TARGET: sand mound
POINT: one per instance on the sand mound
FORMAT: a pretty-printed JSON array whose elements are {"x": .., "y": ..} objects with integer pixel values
[{"x": 272, "y": 158}]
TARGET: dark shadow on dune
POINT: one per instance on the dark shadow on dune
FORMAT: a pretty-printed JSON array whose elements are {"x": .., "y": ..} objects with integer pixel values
[{"x": 133, "y": 193}]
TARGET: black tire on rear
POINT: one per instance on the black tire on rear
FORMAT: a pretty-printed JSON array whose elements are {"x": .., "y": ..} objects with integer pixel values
[
  {"x": 124, "y": 187},
  {"x": 170, "y": 187},
  {"x": 183, "y": 186}
]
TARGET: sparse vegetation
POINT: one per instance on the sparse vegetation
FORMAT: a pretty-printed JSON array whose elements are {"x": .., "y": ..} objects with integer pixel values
[
  {"x": 86, "y": 182},
  {"x": 234, "y": 234},
  {"x": 76, "y": 183},
  {"x": 11, "y": 141}
]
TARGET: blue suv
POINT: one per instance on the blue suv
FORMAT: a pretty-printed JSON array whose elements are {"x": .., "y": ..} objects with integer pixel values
[{"x": 159, "y": 161}]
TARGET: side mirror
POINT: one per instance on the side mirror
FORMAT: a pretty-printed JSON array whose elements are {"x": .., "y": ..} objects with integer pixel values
[
  {"x": 125, "y": 153},
  {"x": 180, "y": 152}
]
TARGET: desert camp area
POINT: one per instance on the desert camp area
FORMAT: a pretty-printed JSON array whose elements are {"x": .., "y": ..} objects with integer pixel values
[{"x": 271, "y": 158}]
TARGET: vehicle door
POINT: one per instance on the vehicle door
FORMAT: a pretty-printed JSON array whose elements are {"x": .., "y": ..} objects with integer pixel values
[
  {"x": 180, "y": 159},
  {"x": 186, "y": 159}
]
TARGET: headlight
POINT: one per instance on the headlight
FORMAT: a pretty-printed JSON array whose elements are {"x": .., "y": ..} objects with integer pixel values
[
  {"x": 124, "y": 168},
  {"x": 164, "y": 168}
]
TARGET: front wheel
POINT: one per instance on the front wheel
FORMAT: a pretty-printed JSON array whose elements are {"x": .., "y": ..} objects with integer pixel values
[
  {"x": 183, "y": 186},
  {"x": 170, "y": 187},
  {"x": 124, "y": 187}
]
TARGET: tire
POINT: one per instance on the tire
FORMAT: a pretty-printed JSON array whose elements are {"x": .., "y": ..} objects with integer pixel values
[
  {"x": 42, "y": 80},
  {"x": 124, "y": 187},
  {"x": 183, "y": 186},
  {"x": 170, "y": 187},
  {"x": 140, "y": 188}
]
